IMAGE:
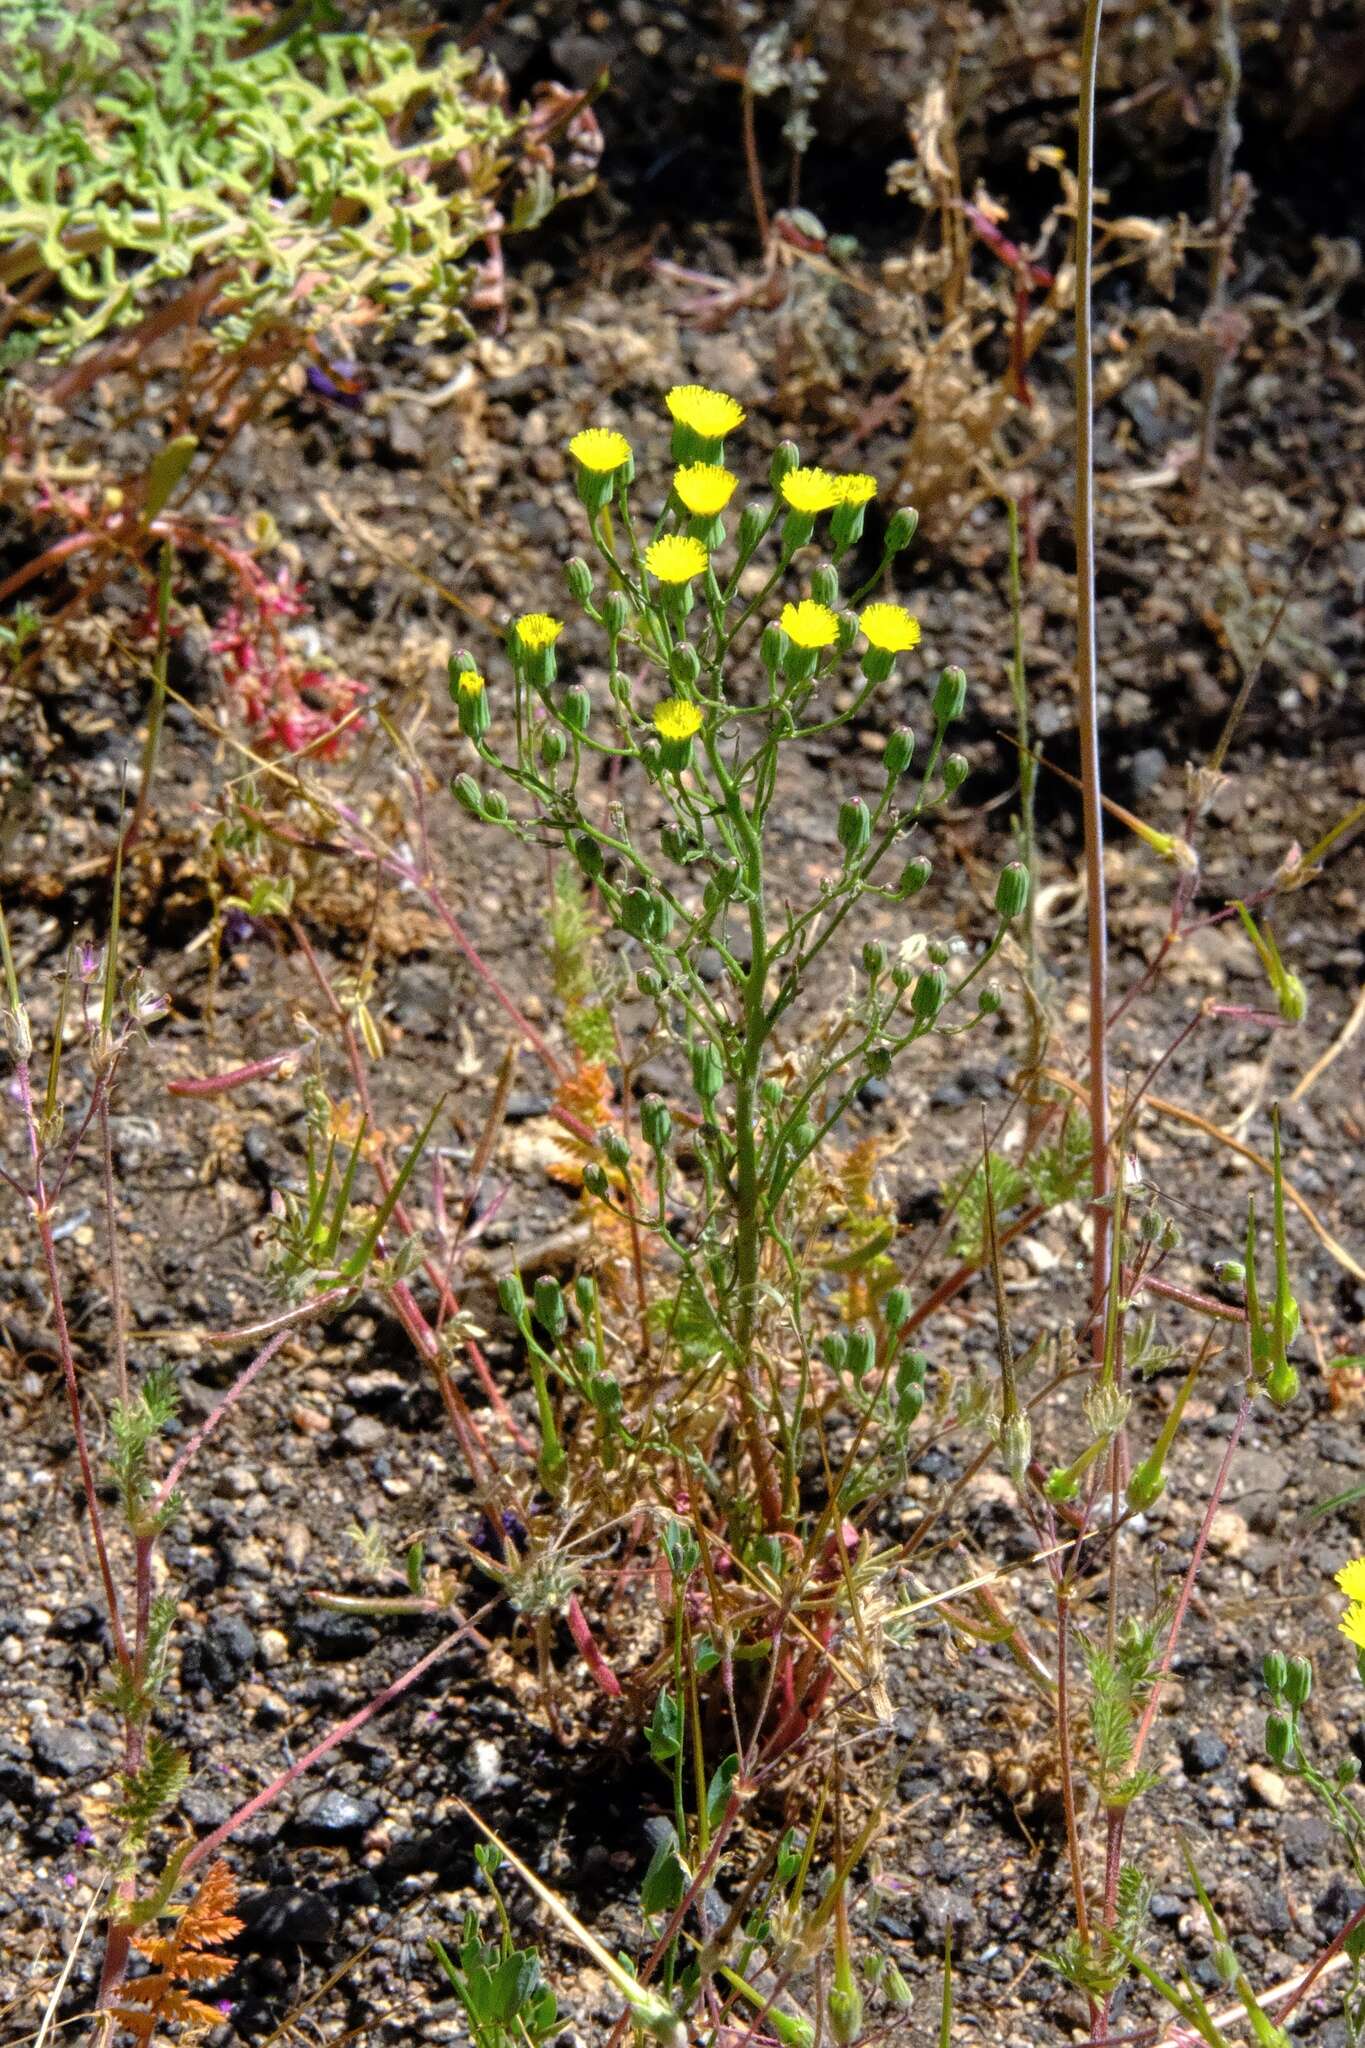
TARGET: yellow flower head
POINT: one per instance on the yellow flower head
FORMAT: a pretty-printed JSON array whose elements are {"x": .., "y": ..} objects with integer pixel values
[
  {"x": 710, "y": 414},
  {"x": 857, "y": 489},
  {"x": 811, "y": 490},
  {"x": 676, "y": 719},
  {"x": 810, "y": 624},
  {"x": 705, "y": 488},
  {"x": 1352, "y": 1625},
  {"x": 890, "y": 627},
  {"x": 470, "y": 683},
  {"x": 676, "y": 558},
  {"x": 600, "y": 449},
  {"x": 1351, "y": 1579},
  {"x": 537, "y": 630}
]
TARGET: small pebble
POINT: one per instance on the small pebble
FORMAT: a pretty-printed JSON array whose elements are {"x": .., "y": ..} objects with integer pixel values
[{"x": 1267, "y": 1787}]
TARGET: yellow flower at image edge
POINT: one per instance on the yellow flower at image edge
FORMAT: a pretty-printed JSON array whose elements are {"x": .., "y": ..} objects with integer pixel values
[
  {"x": 705, "y": 488},
  {"x": 893, "y": 629},
  {"x": 676, "y": 719},
  {"x": 600, "y": 449},
  {"x": 811, "y": 490},
  {"x": 1351, "y": 1579},
  {"x": 1353, "y": 1625},
  {"x": 676, "y": 558},
  {"x": 710, "y": 414},
  {"x": 537, "y": 630},
  {"x": 810, "y": 624}
]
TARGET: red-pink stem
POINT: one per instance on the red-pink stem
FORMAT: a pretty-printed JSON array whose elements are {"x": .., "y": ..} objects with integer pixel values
[
  {"x": 212, "y": 1421},
  {"x": 235, "y": 1077}
]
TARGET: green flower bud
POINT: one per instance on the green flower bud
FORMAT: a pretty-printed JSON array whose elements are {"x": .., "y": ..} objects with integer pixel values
[
  {"x": 1275, "y": 1672},
  {"x": 605, "y": 1396},
  {"x": 1298, "y": 1682},
  {"x": 1016, "y": 1446},
  {"x": 550, "y": 1311},
  {"x": 928, "y": 996},
  {"x": 937, "y": 952},
  {"x": 512, "y": 1296},
  {"x": 1293, "y": 998},
  {"x": 900, "y": 752},
  {"x": 912, "y": 1368},
  {"x": 797, "y": 529},
  {"x": 708, "y": 1072},
  {"x": 595, "y": 1180},
  {"x": 896, "y": 1309},
  {"x": 909, "y": 1401},
  {"x": 576, "y": 709},
  {"x": 874, "y": 958},
  {"x": 834, "y": 1351},
  {"x": 1146, "y": 1486},
  {"x": 461, "y": 663},
  {"x": 950, "y": 694},
  {"x": 752, "y": 521},
  {"x": 1011, "y": 892},
  {"x": 773, "y": 647},
  {"x": 615, "y": 613},
  {"x": 990, "y": 1000},
  {"x": 656, "y": 1123},
  {"x": 848, "y": 630},
  {"x": 824, "y": 586},
  {"x": 649, "y": 983},
  {"x": 1232, "y": 1274},
  {"x": 878, "y": 1062},
  {"x": 1348, "y": 1770},
  {"x": 854, "y": 827},
  {"x": 585, "y": 1294},
  {"x": 1170, "y": 1234},
  {"x": 466, "y": 792},
  {"x": 553, "y": 745},
  {"x": 1150, "y": 1227},
  {"x": 1061, "y": 1486},
  {"x": 955, "y": 770},
  {"x": 588, "y": 854},
  {"x": 684, "y": 667},
  {"x": 1282, "y": 1384},
  {"x": 616, "y": 1148},
  {"x": 900, "y": 530},
  {"x": 772, "y": 1094},
  {"x": 786, "y": 458},
  {"x": 495, "y": 807},
  {"x": 862, "y": 1352},
  {"x": 804, "y": 1137},
  {"x": 845, "y": 2014},
  {"x": 914, "y": 876},
  {"x": 585, "y": 1357},
  {"x": 578, "y": 576},
  {"x": 1279, "y": 1738}
]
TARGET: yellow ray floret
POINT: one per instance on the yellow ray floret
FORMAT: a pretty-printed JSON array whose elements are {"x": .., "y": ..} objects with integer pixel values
[
  {"x": 705, "y": 488},
  {"x": 470, "y": 682},
  {"x": 600, "y": 449},
  {"x": 1352, "y": 1625},
  {"x": 537, "y": 630},
  {"x": 1351, "y": 1579},
  {"x": 857, "y": 489},
  {"x": 890, "y": 627},
  {"x": 676, "y": 558},
  {"x": 711, "y": 414},
  {"x": 810, "y": 624},
  {"x": 811, "y": 490},
  {"x": 676, "y": 719}
]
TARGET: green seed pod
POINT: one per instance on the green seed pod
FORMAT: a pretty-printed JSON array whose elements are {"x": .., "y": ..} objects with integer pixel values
[
  {"x": 1016, "y": 1445},
  {"x": 512, "y": 1297},
  {"x": 1232, "y": 1274},
  {"x": 950, "y": 694},
  {"x": 708, "y": 1072},
  {"x": 955, "y": 771},
  {"x": 1146, "y": 1486},
  {"x": 928, "y": 996},
  {"x": 1275, "y": 1672},
  {"x": 656, "y": 1123},
  {"x": 578, "y": 576},
  {"x": 1279, "y": 1738},
  {"x": 1298, "y": 1682},
  {"x": 1282, "y": 1385},
  {"x": 576, "y": 709},
  {"x": 900, "y": 530},
  {"x": 1170, "y": 1234},
  {"x": 1061, "y": 1486},
  {"x": 990, "y": 1000},
  {"x": 615, "y": 613},
  {"x": 550, "y": 1311},
  {"x": 824, "y": 586},
  {"x": 900, "y": 752},
  {"x": 588, "y": 854},
  {"x": 1011, "y": 892},
  {"x": 896, "y": 1309},
  {"x": 786, "y": 458},
  {"x": 616, "y": 1149},
  {"x": 595, "y": 1180},
  {"x": 914, "y": 875},
  {"x": 874, "y": 958},
  {"x": 861, "y": 1355},
  {"x": 854, "y": 827},
  {"x": 845, "y": 2014},
  {"x": 466, "y": 791},
  {"x": 1293, "y": 999}
]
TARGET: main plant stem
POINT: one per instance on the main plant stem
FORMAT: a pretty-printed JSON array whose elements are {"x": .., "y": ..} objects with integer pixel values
[
  {"x": 748, "y": 1193},
  {"x": 1087, "y": 695}
]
